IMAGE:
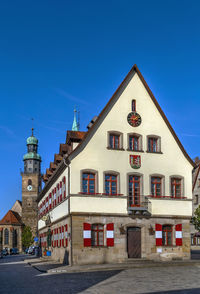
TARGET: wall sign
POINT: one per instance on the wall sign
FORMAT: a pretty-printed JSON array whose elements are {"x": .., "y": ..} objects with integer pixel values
[{"x": 135, "y": 161}]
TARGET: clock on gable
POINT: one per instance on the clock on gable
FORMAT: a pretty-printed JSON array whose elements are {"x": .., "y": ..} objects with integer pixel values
[{"x": 133, "y": 118}]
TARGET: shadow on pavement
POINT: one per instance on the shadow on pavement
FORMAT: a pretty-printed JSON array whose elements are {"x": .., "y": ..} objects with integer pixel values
[
  {"x": 78, "y": 282},
  {"x": 182, "y": 291}
]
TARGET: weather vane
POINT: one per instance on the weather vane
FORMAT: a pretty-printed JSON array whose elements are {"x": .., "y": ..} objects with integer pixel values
[{"x": 32, "y": 125}]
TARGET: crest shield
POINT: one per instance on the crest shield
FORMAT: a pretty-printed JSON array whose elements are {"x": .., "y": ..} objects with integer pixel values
[{"x": 135, "y": 161}]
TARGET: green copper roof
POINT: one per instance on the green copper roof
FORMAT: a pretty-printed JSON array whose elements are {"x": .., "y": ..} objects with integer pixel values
[
  {"x": 75, "y": 126},
  {"x": 32, "y": 155},
  {"x": 32, "y": 140}
]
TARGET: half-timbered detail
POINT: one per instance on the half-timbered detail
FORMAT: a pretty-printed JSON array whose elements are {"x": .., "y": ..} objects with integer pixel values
[{"x": 122, "y": 189}]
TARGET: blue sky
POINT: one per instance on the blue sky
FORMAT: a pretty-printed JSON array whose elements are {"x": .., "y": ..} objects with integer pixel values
[{"x": 58, "y": 54}]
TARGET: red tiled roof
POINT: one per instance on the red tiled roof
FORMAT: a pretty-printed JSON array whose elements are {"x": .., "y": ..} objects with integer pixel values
[
  {"x": 75, "y": 135},
  {"x": 11, "y": 218}
]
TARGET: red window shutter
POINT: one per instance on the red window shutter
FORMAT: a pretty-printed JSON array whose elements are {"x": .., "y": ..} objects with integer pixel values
[
  {"x": 62, "y": 236},
  {"x": 55, "y": 195},
  {"x": 57, "y": 237},
  {"x": 179, "y": 235},
  {"x": 49, "y": 201},
  {"x": 158, "y": 234},
  {"x": 64, "y": 187},
  {"x": 86, "y": 235},
  {"x": 110, "y": 235},
  {"x": 54, "y": 237},
  {"x": 60, "y": 191},
  {"x": 66, "y": 236}
]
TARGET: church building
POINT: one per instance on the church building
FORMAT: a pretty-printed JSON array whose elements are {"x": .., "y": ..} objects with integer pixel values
[{"x": 120, "y": 190}]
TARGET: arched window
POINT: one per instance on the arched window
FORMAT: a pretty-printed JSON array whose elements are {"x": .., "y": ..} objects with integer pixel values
[
  {"x": 14, "y": 238},
  {"x": 29, "y": 182},
  {"x": 97, "y": 235},
  {"x": 167, "y": 235},
  {"x": 6, "y": 237}
]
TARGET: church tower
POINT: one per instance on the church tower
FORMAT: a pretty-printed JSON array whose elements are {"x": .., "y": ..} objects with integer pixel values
[{"x": 31, "y": 184}]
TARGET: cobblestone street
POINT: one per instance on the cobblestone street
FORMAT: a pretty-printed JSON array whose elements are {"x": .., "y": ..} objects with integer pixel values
[
  {"x": 26, "y": 279},
  {"x": 151, "y": 280}
]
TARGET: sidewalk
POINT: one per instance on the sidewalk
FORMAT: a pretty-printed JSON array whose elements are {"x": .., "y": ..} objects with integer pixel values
[{"x": 49, "y": 266}]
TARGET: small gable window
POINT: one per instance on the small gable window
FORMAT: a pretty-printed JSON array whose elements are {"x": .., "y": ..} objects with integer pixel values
[
  {"x": 154, "y": 144},
  {"x": 134, "y": 142},
  {"x": 115, "y": 140}
]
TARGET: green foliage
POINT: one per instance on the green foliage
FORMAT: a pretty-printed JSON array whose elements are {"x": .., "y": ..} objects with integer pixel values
[
  {"x": 196, "y": 219},
  {"x": 27, "y": 237}
]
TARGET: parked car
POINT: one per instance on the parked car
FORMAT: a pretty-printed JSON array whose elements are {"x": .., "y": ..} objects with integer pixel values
[
  {"x": 14, "y": 251},
  {"x": 4, "y": 252}
]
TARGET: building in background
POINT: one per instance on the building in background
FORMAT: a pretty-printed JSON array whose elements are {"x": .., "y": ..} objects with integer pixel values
[
  {"x": 11, "y": 228},
  {"x": 121, "y": 190},
  {"x": 31, "y": 184},
  {"x": 195, "y": 235}
]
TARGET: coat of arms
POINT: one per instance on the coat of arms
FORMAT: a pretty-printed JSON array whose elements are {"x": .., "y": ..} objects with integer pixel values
[{"x": 135, "y": 161}]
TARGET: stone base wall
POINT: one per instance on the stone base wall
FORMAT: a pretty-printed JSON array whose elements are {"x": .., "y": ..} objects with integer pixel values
[
  {"x": 59, "y": 253},
  {"x": 118, "y": 253}
]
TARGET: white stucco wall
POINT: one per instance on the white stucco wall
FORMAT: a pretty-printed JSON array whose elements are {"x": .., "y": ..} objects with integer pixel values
[
  {"x": 96, "y": 156},
  {"x": 61, "y": 209},
  {"x": 98, "y": 205}
]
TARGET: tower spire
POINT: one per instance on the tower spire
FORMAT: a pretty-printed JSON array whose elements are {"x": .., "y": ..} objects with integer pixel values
[{"x": 75, "y": 126}]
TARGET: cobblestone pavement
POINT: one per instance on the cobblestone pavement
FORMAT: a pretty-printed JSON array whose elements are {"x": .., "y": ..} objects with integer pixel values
[
  {"x": 20, "y": 278},
  {"x": 151, "y": 280}
]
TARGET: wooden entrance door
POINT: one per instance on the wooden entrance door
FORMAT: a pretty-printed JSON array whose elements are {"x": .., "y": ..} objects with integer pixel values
[{"x": 134, "y": 242}]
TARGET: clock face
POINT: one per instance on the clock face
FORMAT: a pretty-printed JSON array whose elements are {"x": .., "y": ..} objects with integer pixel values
[
  {"x": 29, "y": 188},
  {"x": 134, "y": 119}
]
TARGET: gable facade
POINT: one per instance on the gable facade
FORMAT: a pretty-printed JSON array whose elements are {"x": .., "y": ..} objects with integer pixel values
[{"x": 125, "y": 185}]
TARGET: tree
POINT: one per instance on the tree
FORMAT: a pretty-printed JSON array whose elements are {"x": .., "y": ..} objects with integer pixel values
[
  {"x": 196, "y": 219},
  {"x": 27, "y": 237}
]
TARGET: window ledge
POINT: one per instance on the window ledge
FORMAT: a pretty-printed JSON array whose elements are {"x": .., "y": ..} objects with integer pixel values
[
  {"x": 134, "y": 150},
  {"x": 167, "y": 197},
  {"x": 157, "y": 152},
  {"x": 117, "y": 149}
]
